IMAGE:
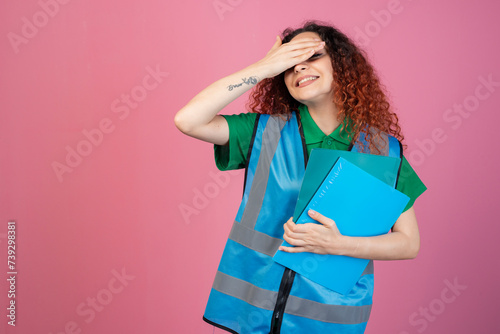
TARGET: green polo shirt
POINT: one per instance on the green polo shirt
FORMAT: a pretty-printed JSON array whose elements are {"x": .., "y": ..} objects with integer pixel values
[{"x": 234, "y": 154}]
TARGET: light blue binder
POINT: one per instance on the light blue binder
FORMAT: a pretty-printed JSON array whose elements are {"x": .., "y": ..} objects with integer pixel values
[
  {"x": 361, "y": 205},
  {"x": 321, "y": 161}
]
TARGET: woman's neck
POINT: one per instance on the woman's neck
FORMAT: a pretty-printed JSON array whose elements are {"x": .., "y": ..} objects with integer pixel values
[{"x": 325, "y": 117}]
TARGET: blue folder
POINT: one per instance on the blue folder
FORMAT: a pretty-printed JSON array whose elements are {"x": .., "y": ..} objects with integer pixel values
[
  {"x": 361, "y": 205},
  {"x": 321, "y": 161}
]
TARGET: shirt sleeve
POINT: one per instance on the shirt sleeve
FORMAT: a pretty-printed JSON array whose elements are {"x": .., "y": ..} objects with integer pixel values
[
  {"x": 409, "y": 183},
  {"x": 234, "y": 154}
]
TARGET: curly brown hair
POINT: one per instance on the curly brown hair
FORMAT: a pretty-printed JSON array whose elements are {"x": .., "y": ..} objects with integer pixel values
[{"x": 358, "y": 93}]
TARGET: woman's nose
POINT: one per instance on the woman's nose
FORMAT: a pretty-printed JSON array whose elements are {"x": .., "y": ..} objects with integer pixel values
[{"x": 300, "y": 67}]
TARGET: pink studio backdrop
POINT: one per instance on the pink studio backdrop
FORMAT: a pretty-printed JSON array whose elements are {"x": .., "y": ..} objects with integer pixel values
[{"x": 96, "y": 175}]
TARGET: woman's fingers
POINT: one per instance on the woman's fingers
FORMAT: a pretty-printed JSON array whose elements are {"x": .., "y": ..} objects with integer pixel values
[
  {"x": 327, "y": 222},
  {"x": 301, "y": 48},
  {"x": 294, "y": 241},
  {"x": 303, "y": 44},
  {"x": 291, "y": 236},
  {"x": 291, "y": 227},
  {"x": 284, "y": 56},
  {"x": 277, "y": 44},
  {"x": 292, "y": 249}
]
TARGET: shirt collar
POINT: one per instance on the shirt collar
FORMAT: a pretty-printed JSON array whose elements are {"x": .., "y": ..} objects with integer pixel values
[{"x": 313, "y": 133}]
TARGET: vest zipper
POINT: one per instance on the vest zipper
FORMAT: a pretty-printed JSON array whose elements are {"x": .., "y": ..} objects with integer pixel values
[{"x": 283, "y": 293}]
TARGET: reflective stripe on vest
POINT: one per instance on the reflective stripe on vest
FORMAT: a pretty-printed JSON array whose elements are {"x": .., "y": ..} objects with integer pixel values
[{"x": 247, "y": 282}]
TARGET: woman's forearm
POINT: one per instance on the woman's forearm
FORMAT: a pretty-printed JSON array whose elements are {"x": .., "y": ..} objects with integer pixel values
[
  {"x": 403, "y": 243},
  {"x": 392, "y": 246},
  {"x": 202, "y": 109}
]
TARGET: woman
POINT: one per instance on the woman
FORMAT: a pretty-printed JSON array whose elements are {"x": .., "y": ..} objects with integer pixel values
[{"x": 313, "y": 89}]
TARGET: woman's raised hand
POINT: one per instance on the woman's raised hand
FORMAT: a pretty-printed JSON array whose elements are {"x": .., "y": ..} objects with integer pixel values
[
  {"x": 284, "y": 56},
  {"x": 199, "y": 117}
]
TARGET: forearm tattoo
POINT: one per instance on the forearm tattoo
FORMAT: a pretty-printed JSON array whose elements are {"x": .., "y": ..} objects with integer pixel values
[{"x": 246, "y": 81}]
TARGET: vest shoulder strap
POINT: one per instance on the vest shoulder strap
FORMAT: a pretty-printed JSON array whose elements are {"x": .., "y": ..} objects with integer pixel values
[{"x": 388, "y": 146}]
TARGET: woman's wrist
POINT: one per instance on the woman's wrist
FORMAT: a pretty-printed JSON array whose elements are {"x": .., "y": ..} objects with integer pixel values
[
  {"x": 346, "y": 246},
  {"x": 262, "y": 70},
  {"x": 256, "y": 71}
]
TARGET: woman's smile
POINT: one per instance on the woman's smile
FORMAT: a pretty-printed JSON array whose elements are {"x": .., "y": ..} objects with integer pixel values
[{"x": 307, "y": 80}]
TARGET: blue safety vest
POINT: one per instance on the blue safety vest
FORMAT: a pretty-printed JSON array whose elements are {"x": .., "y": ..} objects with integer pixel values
[{"x": 253, "y": 294}]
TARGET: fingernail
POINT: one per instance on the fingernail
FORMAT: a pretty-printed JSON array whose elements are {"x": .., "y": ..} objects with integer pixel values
[{"x": 312, "y": 212}]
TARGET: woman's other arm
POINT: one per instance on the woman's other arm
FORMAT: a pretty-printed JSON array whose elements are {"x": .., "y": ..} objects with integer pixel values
[{"x": 325, "y": 238}]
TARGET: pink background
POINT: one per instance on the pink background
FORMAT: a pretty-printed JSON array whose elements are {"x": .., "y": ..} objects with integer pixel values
[{"x": 118, "y": 210}]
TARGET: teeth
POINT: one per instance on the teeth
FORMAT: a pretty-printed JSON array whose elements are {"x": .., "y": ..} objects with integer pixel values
[{"x": 307, "y": 79}]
